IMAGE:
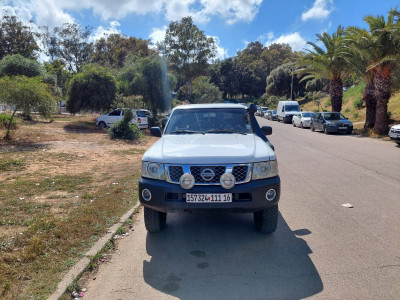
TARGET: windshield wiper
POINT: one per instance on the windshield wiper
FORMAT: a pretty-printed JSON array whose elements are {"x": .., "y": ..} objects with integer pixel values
[
  {"x": 185, "y": 131},
  {"x": 225, "y": 131}
]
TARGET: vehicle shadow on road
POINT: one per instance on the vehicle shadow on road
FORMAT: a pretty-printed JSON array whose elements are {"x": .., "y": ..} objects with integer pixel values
[{"x": 220, "y": 255}]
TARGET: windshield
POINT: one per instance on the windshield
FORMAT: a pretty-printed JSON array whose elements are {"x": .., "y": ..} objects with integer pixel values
[
  {"x": 334, "y": 116},
  {"x": 291, "y": 108},
  {"x": 209, "y": 120},
  {"x": 307, "y": 115},
  {"x": 274, "y": 112}
]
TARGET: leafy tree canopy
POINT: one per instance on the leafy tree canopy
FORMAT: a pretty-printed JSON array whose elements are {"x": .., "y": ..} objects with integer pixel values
[
  {"x": 204, "y": 91},
  {"x": 113, "y": 50},
  {"x": 70, "y": 44},
  {"x": 188, "y": 49},
  {"x": 92, "y": 89},
  {"x": 149, "y": 78},
  {"x": 16, "y": 38},
  {"x": 26, "y": 94},
  {"x": 13, "y": 65}
]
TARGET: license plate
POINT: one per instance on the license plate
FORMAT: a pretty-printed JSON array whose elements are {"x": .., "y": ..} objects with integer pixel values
[
  {"x": 342, "y": 127},
  {"x": 204, "y": 198}
]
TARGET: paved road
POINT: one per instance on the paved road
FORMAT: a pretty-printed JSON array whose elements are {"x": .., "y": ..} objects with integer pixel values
[{"x": 321, "y": 249}]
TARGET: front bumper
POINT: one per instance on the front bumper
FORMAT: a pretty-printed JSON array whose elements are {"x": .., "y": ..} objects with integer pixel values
[
  {"x": 394, "y": 136},
  {"x": 247, "y": 197},
  {"x": 337, "y": 129}
]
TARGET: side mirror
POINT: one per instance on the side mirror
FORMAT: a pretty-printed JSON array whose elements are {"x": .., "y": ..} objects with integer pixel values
[
  {"x": 155, "y": 131},
  {"x": 267, "y": 130}
]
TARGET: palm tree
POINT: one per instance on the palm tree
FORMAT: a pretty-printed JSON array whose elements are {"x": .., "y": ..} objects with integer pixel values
[
  {"x": 386, "y": 50},
  {"x": 330, "y": 64},
  {"x": 359, "y": 43}
]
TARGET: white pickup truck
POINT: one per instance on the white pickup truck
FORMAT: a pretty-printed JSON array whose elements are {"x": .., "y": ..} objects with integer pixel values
[
  {"x": 116, "y": 115},
  {"x": 211, "y": 156}
]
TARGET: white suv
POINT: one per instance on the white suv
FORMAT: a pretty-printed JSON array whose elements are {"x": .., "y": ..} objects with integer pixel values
[
  {"x": 116, "y": 115},
  {"x": 211, "y": 156}
]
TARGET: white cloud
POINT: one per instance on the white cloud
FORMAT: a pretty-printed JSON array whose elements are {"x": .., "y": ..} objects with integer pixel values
[
  {"x": 157, "y": 35},
  {"x": 320, "y": 10},
  {"x": 222, "y": 53},
  {"x": 234, "y": 10},
  {"x": 102, "y": 32},
  {"x": 56, "y": 12},
  {"x": 293, "y": 39}
]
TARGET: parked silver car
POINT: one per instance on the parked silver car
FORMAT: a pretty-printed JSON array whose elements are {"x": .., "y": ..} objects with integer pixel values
[
  {"x": 302, "y": 119},
  {"x": 394, "y": 133}
]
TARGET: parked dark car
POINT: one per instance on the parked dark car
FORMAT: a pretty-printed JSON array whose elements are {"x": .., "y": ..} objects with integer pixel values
[
  {"x": 271, "y": 115},
  {"x": 330, "y": 122}
]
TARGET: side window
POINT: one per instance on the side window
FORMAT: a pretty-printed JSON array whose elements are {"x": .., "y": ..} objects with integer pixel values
[{"x": 115, "y": 113}]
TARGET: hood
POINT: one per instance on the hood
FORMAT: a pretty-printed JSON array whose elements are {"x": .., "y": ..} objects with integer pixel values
[
  {"x": 397, "y": 127},
  {"x": 209, "y": 149}
]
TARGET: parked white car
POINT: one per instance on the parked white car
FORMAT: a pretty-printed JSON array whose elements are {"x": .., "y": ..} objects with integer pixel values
[
  {"x": 394, "y": 133},
  {"x": 116, "y": 115},
  {"x": 302, "y": 119}
]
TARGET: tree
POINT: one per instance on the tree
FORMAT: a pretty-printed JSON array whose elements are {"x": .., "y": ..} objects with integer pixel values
[
  {"x": 26, "y": 94},
  {"x": 204, "y": 91},
  {"x": 113, "y": 50},
  {"x": 16, "y": 38},
  {"x": 188, "y": 50},
  {"x": 12, "y": 65},
  {"x": 149, "y": 78},
  {"x": 57, "y": 68},
  {"x": 92, "y": 89},
  {"x": 329, "y": 64},
  {"x": 70, "y": 44},
  {"x": 281, "y": 82},
  {"x": 385, "y": 47},
  {"x": 361, "y": 56}
]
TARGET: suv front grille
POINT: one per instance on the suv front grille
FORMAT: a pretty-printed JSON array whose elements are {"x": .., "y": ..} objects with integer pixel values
[
  {"x": 175, "y": 172},
  {"x": 197, "y": 170},
  {"x": 240, "y": 171}
]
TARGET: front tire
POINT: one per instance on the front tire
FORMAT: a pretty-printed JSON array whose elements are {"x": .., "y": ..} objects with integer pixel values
[
  {"x": 312, "y": 127},
  {"x": 102, "y": 125},
  {"x": 326, "y": 130},
  {"x": 294, "y": 125},
  {"x": 154, "y": 221},
  {"x": 266, "y": 220},
  {"x": 301, "y": 125}
]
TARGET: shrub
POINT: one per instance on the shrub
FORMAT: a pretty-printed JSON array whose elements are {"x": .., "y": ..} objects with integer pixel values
[
  {"x": 4, "y": 119},
  {"x": 124, "y": 130},
  {"x": 356, "y": 115},
  {"x": 358, "y": 103}
]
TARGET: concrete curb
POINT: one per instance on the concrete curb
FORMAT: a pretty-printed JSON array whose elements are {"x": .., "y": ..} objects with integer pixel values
[{"x": 81, "y": 265}]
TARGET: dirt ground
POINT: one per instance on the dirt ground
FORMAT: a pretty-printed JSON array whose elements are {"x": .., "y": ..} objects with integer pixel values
[{"x": 54, "y": 169}]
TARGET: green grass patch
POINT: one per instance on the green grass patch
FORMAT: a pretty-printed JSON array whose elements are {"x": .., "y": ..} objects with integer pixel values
[
  {"x": 130, "y": 152},
  {"x": 11, "y": 165},
  {"x": 31, "y": 263}
]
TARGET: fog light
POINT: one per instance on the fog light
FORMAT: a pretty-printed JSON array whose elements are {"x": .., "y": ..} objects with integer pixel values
[
  {"x": 227, "y": 181},
  {"x": 271, "y": 194},
  {"x": 187, "y": 181},
  {"x": 146, "y": 195}
]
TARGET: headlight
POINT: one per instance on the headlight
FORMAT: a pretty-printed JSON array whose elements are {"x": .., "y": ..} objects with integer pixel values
[
  {"x": 265, "y": 169},
  {"x": 153, "y": 170}
]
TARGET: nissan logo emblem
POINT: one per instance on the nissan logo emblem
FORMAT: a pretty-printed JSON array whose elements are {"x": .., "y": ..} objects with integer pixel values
[{"x": 207, "y": 174}]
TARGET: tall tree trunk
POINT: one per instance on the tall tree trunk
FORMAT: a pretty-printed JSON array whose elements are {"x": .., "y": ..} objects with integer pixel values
[
  {"x": 336, "y": 93},
  {"x": 370, "y": 104},
  {"x": 382, "y": 92}
]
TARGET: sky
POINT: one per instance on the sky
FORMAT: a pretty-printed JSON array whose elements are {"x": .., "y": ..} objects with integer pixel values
[{"x": 232, "y": 23}]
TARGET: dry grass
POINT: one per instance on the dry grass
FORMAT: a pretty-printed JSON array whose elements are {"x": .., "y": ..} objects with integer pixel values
[{"x": 62, "y": 183}]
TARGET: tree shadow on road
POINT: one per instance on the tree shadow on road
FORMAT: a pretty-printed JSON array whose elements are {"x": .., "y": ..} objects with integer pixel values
[{"x": 220, "y": 255}]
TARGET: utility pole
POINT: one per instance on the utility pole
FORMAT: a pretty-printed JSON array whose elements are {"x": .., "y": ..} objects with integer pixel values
[{"x": 291, "y": 89}]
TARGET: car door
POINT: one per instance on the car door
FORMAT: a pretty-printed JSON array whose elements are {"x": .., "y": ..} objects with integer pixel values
[
  {"x": 114, "y": 116},
  {"x": 315, "y": 120}
]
